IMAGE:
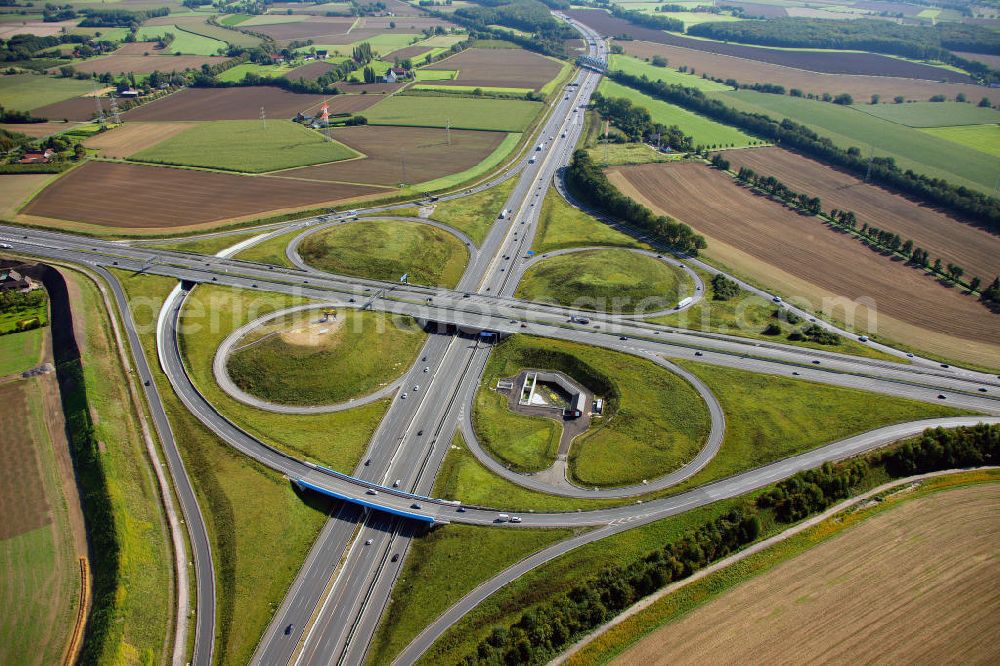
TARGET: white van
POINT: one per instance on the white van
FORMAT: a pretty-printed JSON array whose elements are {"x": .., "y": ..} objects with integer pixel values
[{"x": 502, "y": 518}]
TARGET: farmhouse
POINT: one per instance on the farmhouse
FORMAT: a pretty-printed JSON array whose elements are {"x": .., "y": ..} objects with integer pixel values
[
  {"x": 394, "y": 74},
  {"x": 37, "y": 158},
  {"x": 322, "y": 54},
  {"x": 12, "y": 280}
]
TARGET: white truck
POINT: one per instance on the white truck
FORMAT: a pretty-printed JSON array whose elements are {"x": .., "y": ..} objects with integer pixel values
[
  {"x": 502, "y": 518},
  {"x": 684, "y": 303},
  {"x": 504, "y": 213}
]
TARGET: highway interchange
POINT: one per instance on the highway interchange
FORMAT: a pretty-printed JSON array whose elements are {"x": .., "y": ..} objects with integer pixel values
[{"x": 334, "y": 605}]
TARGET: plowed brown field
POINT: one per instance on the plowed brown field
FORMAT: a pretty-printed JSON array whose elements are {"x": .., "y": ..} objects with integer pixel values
[
  {"x": 913, "y": 585},
  {"x": 975, "y": 249},
  {"x": 501, "y": 68},
  {"x": 74, "y": 108},
  {"x": 425, "y": 151},
  {"x": 140, "y": 64},
  {"x": 806, "y": 261},
  {"x": 858, "y": 86},
  {"x": 317, "y": 28},
  {"x": 241, "y": 104},
  {"x": 816, "y": 61},
  {"x": 144, "y": 197}
]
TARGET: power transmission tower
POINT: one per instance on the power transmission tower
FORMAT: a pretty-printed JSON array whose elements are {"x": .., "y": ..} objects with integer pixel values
[
  {"x": 447, "y": 129},
  {"x": 402, "y": 159},
  {"x": 100, "y": 109},
  {"x": 871, "y": 157},
  {"x": 114, "y": 111},
  {"x": 263, "y": 118}
]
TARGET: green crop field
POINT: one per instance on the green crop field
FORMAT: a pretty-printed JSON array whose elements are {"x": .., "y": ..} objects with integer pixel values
[
  {"x": 184, "y": 42},
  {"x": 234, "y": 19},
  {"x": 428, "y": 585},
  {"x": 246, "y": 146},
  {"x": 235, "y": 74},
  {"x": 931, "y": 114},
  {"x": 388, "y": 42},
  {"x": 435, "y": 74},
  {"x": 303, "y": 362},
  {"x": 20, "y": 351},
  {"x": 637, "y": 67},
  {"x": 694, "y": 18},
  {"x": 380, "y": 67},
  {"x": 614, "y": 280},
  {"x": 234, "y": 37},
  {"x": 386, "y": 249},
  {"x": 846, "y": 127},
  {"x": 654, "y": 421},
  {"x": 705, "y": 132},
  {"x": 25, "y": 92},
  {"x": 562, "y": 226},
  {"x": 984, "y": 138},
  {"x": 475, "y": 214},
  {"x": 110, "y": 34},
  {"x": 503, "y": 115},
  {"x": 486, "y": 90}
]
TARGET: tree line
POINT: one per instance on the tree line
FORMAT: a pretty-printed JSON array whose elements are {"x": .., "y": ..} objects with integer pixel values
[
  {"x": 588, "y": 183},
  {"x": 550, "y": 626},
  {"x": 648, "y": 20},
  {"x": 637, "y": 123},
  {"x": 847, "y": 220},
  {"x": 936, "y": 191},
  {"x": 548, "y": 36}
]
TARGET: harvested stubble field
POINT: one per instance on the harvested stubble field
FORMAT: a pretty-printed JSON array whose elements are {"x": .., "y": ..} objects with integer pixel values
[
  {"x": 472, "y": 113},
  {"x": 499, "y": 68},
  {"x": 397, "y": 155},
  {"x": 975, "y": 249},
  {"x": 146, "y": 197},
  {"x": 859, "y": 86},
  {"x": 238, "y": 104},
  {"x": 37, "y": 130},
  {"x": 130, "y": 138},
  {"x": 141, "y": 64},
  {"x": 813, "y": 265},
  {"x": 816, "y": 61},
  {"x": 913, "y": 584}
]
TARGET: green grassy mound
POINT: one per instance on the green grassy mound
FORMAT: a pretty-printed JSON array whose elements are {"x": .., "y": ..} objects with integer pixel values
[
  {"x": 605, "y": 280},
  {"x": 653, "y": 421},
  {"x": 296, "y": 361},
  {"x": 386, "y": 249},
  {"x": 246, "y": 146}
]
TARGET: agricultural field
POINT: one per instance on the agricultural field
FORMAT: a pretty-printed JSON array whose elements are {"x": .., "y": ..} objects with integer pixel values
[
  {"x": 246, "y": 146},
  {"x": 506, "y": 68},
  {"x": 943, "y": 235},
  {"x": 74, "y": 109},
  {"x": 395, "y": 155},
  {"x": 20, "y": 351},
  {"x": 654, "y": 421},
  {"x": 705, "y": 132},
  {"x": 177, "y": 199},
  {"x": 637, "y": 67},
  {"x": 37, "y": 130},
  {"x": 39, "y": 570},
  {"x": 839, "y": 62},
  {"x": 911, "y": 148},
  {"x": 297, "y": 360},
  {"x": 934, "y": 547},
  {"x": 27, "y": 92},
  {"x": 130, "y": 138},
  {"x": 612, "y": 280},
  {"x": 200, "y": 26},
  {"x": 287, "y": 28},
  {"x": 619, "y": 154},
  {"x": 144, "y": 64},
  {"x": 386, "y": 249},
  {"x": 562, "y": 226},
  {"x": 932, "y": 114},
  {"x": 860, "y": 87},
  {"x": 502, "y": 115},
  {"x": 15, "y": 189},
  {"x": 237, "y": 104},
  {"x": 810, "y": 264},
  {"x": 984, "y": 138},
  {"x": 184, "y": 43},
  {"x": 237, "y": 73}
]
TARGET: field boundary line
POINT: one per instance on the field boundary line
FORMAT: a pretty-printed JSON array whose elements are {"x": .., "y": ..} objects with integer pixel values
[
  {"x": 758, "y": 547},
  {"x": 76, "y": 642}
]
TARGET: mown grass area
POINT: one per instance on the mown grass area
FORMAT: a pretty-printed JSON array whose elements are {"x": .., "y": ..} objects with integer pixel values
[
  {"x": 523, "y": 443},
  {"x": 435, "y": 74},
  {"x": 39, "y": 571},
  {"x": 142, "y": 614},
  {"x": 552, "y": 578},
  {"x": 20, "y": 351},
  {"x": 502, "y": 115},
  {"x": 187, "y": 43},
  {"x": 497, "y": 90},
  {"x": 620, "y": 154},
  {"x": 386, "y": 249},
  {"x": 846, "y": 127},
  {"x": 207, "y": 246},
  {"x": 246, "y": 146},
  {"x": 612, "y": 280},
  {"x": 271, "y": 251},
  {"x": 767, "y": 418},
  {"x": 296, "y": 363},
  {"x": 748, "y": 315},
  {"x": 260, "y": 528},
  {"x": 638, "y": 67},
  {"x": 474, "y": 215},
  {"x": 984, "y": 138},
  {"x": 653, "y": 420},
  {"x": 24, "y": 92},
  {"x": 931, "y": 114},
  {"x": 484, "y": 167},
  {"x": 237, "y": 73},
  {"x": 441, "y": 567},
  {"x": 562, "y": 226},
  {"x": 704, "y": 131},
  {"x": 675, "y": 606}
]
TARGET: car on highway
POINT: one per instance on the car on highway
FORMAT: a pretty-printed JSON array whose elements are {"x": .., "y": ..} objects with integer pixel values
[
  {"x": 776, "y": 299},
  {"x": 368, "y": 542},
  {"x": 416, "y": 387},
  {"x": 515, "y": 519},
  {"x": 415, "y": 506},
  {"x": 288, "y": 629},
  {"x": 6, "y": 246},
  {"x": 863, "y": 338},
  {"x": 502, "y": 518},
  {"x": 427, "y": 368},
  {"x": 372, "y": 491},
  {"x": 404, "y": 396},
  {"x": 395, "y": 557},
  {"x": 396, "y": 483}
]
